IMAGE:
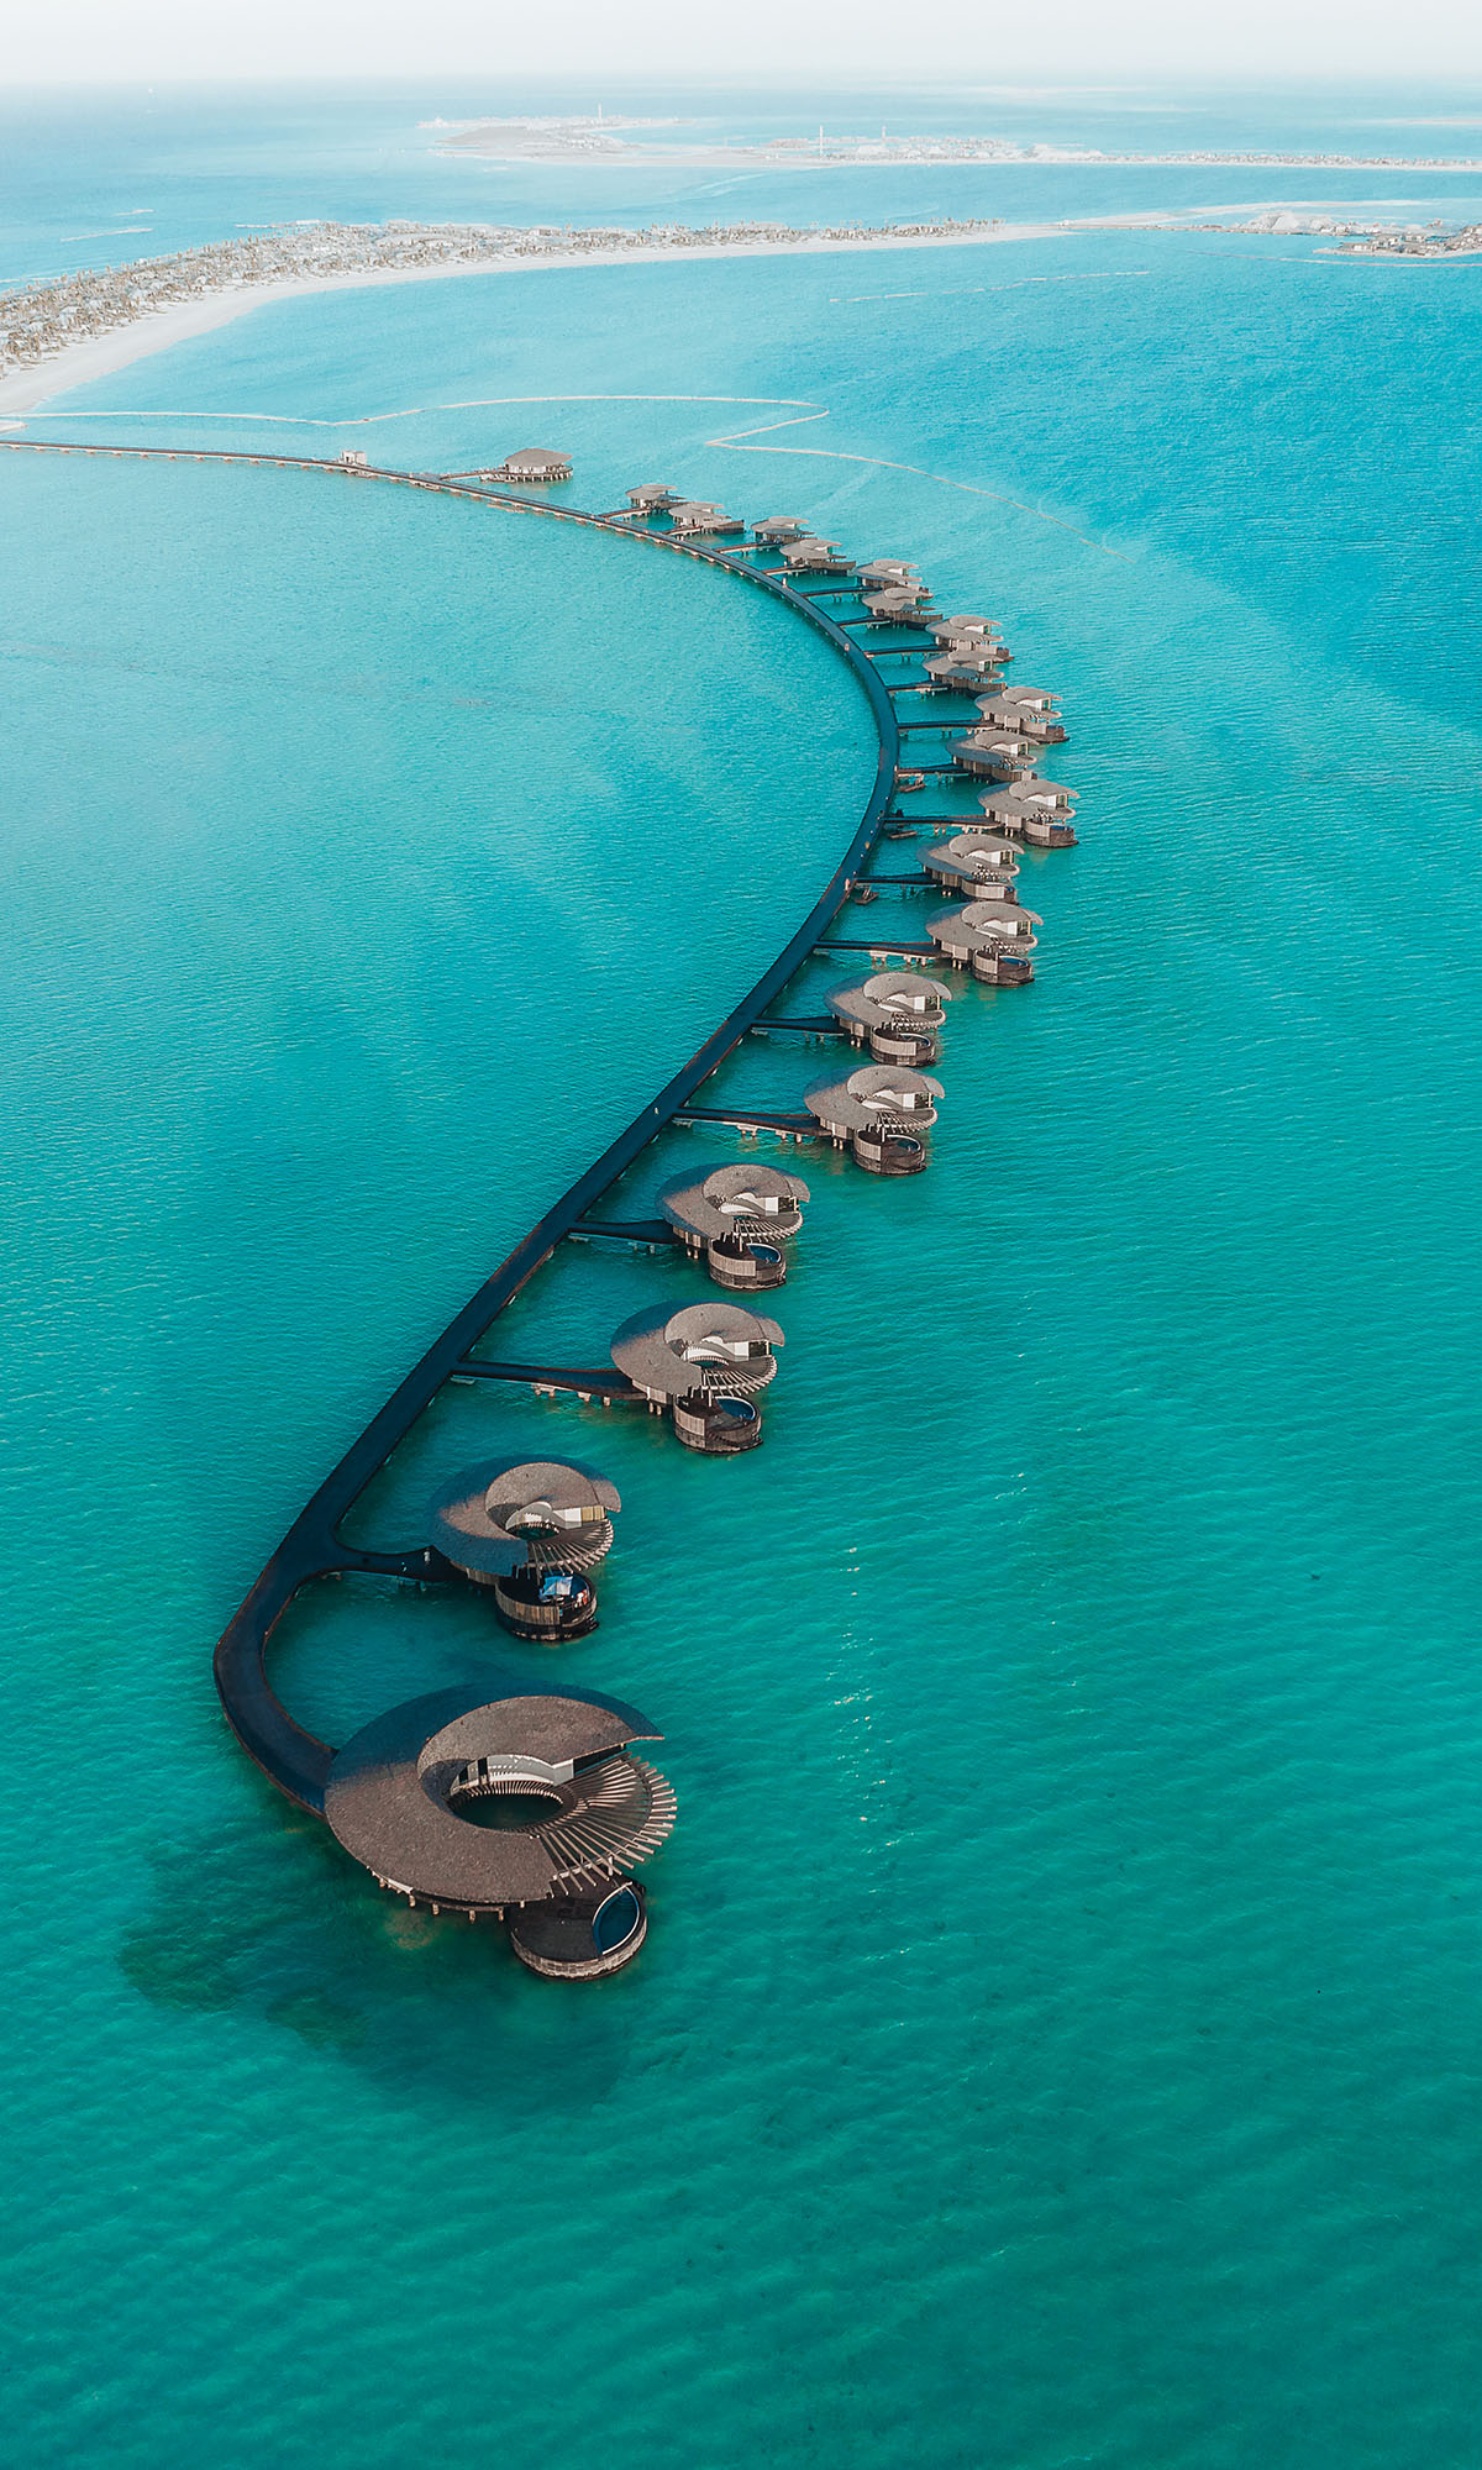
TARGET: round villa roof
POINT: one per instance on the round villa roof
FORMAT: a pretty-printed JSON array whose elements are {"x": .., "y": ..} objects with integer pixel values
[
  {"x": 982, "y": 924},
  {"x": 395, "y": 1790},
  {"x": 733, "y": 1196},
  {"x": 1031, "y": 790},
  {"x": 975, "y": 857},
  {"x": 978, "y": 627},
  {"x": 711, "y": 1346},
  {"x": 894, "y": 599},
  {"x": 874, "y": 1091},
  {"x": 895, "y": 995},
  {"x": 506, "y": 1513}
]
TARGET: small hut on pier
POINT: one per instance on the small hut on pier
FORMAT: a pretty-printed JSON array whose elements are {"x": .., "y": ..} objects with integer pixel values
[
  {"x": 736, "y": 1221},
  {"x": 773, "y": 530},
  {"x": 1038, "y": 811},
  {"x": 692, "y": 515},
  {"x": 897, "y": 1014},
  {"x": 881, "y": 574},
  {"x": 532, "y": 1809},
  {"x": 532, "y": 467},
  {"x": 991, "y": 938},
  {"x": 705, "y": 1364},
  {"x": 879, "y": 1114},
  {"x": 531, "y": 1531},
  {"x": 990, "y": 755},
  {"x": 978, "y": 860},
  {"x": 966, "y": 672},
  {"x": 1020, "y": 709},
  {"x": 653, "y": 497},
  {"x": 973, "y": 633},
  {"x": 896, "y": 605},
  {"x": 815, "y": 557}
]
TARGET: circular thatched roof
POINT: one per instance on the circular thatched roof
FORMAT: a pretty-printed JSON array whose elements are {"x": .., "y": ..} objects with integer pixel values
[
  {"x": 723, "y": 1202},
  {"x": 506, "y": 1512},
  {"x": 709, "y": 1346},
  {"x": 388, "y": 1796}
]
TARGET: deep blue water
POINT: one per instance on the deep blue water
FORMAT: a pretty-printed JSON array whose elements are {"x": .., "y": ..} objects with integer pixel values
[{"x": 1058, "y": 2038}]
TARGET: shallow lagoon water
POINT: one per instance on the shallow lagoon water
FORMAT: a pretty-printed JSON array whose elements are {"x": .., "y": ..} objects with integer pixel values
[{"x": 1058, "y": 2036}]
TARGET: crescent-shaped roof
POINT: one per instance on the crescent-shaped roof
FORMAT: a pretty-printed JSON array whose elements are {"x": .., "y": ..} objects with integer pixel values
[
  {"x": 505, "y": 1512},
  {"x": 715, "y": 1204},
  {"x": 981, "y": 924},
  {"x": 714, "y": 1346},
  {"x": 902, "y": 997},
  {"x": 387, "y": 1795},
  {"x": 875, "y": 1090}
]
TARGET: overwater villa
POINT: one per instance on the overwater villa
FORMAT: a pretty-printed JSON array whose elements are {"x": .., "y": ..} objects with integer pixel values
[
  {"x": 531, "y": 1531},
  {"x": 705, "y": 1364},
  {"x": 653, "y": 497},
  {"x": 1030, "y": 714},
  {"x": 815, "y": 557},
  {"x": 1038, "y": 811},
  {"x": 736, "y": 1221},
  {"x": 965, "y": 671},
  {"x": 976, "y": 860},
  {"x": 528, "y": 1808},
  {"x": 879, "y": 1114},
  {"x": 989, "y": 754},
  {"x": 879, "y": 572},
  {"x": 896, "y": 605},
  {"x": 773, "y": 530},
  {"x": 968, "y": 633},
  {"x": 702, "y": 521},
  {"x": 533, "y": 466},
  {"x": 991, "y": 938},
  {"x": 897, "y": 1014}
]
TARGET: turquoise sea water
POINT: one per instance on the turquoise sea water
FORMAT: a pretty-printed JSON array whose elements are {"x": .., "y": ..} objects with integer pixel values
[{"x": 1058, "y": 2038}]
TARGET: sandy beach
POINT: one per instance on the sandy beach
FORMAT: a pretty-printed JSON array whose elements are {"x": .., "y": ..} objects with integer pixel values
[{"x": 80, "y": 364}]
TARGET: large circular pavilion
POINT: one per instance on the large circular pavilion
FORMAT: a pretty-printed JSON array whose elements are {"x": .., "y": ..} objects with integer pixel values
[{"x": 412, "y": 1795}]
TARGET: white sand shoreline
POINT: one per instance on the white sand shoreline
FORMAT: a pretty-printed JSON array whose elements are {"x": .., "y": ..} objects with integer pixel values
[
  {"x": 29, "y": 388},
  {"x": 81, "y": 364}
]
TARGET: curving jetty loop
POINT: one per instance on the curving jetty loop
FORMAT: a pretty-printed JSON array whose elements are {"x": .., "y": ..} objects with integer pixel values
[{"x": 292, "y": 1758}]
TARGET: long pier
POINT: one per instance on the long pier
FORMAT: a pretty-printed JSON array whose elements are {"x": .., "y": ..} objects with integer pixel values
[{"x": 291, "y": 1757}]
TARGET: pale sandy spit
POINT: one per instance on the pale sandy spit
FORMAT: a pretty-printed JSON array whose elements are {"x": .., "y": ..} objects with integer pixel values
[{"x": 25, "y": 390}]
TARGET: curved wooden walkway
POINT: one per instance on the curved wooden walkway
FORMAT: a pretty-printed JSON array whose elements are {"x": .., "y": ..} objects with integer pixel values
[{"x": 292, "y": 1758}]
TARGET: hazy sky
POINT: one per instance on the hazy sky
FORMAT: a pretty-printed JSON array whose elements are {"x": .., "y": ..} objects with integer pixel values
[{"x": 850, "y": 41}]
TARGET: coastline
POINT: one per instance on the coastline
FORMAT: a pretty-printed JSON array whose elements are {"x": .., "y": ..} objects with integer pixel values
[
  {"x": 29, "y": 387},
  {"x": 81, "y": 364}
]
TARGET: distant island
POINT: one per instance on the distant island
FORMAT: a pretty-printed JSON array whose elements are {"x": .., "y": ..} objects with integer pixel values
[{"x": 595, "y": 139}]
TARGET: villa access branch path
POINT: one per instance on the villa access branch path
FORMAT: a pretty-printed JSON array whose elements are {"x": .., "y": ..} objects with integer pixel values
[{"x": 292, "y": 1758}]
